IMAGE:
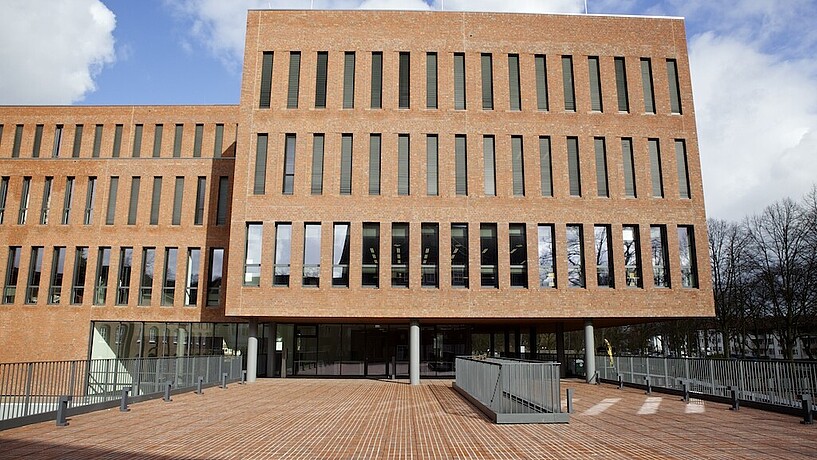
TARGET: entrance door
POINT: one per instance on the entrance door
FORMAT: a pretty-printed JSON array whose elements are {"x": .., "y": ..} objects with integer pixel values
[{"x": 377, "y": 351}]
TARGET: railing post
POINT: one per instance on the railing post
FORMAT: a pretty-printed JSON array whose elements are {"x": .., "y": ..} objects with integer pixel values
[
  {"x": 72, "y": 378},
  {"x": 62, "y": 409},
  {"x": 808, "y": 415},
  {"x": 29, "y": 378},
  {"x": 712, "y": 375},
  {"x": 123, "y": 405}
]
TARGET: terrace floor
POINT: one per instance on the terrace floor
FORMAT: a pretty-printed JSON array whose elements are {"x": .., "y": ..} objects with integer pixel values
[{"x": 300, "y": 418}]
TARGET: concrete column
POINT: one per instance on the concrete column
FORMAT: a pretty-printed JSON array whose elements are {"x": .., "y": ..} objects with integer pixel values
[
  {"x": 589, "y": 351},
  {"x": 272, "y": 340},
  {"x": 252, "y": 350},
  {"x": 560, "y": 349},
  {"x": 414, "y": 352}
]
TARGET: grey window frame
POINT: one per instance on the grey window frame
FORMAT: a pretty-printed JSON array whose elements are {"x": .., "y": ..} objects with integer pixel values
[
  {"x": 117, "y": 141},
  {"x": 311, "y": 276},
  {"x": 376, "y": 93},
  {"x": 546, "y": 251},
  {"x": 404, "y": 80},
  {"x": 4, "y": 190},
  {"x": 459, "y": 82},
  {"x": 632, "y": 256},
  {"x": 260, "y": 176},
  {"x": 370, "y": 263},
  {"x": 38, "y": 141},
  {"x": 489, "y": 165},
  {"x": 540, "y": 68},
  {"x": 605, "y": 272},
  {"x": 622, "y": 93},
  {"x": 156, "y": 200},
  {"x": 192, "y": 278},
  {"x": 647, "y": 85},
  {"x": 80, "y": 272},
  {"x": 375, "y": 142},
  {"x": 252, "y": 269},
  {"x": 35, "y": 273},
  {"x": 201, "y": 200},
  {"x": 170, "y": 275},
  {"x": 222, "y": 204},
  {"x": 18, "y": 141},
  {"x": 178, "y": 201},
  {"x": 57, "y": 275},
  {"x": 628, "y": 166},
  {"x": 489, "y": 260},
  {"x": 214, "y": 283},
  {"x": 687, "y": 264},
  {"x": 294, "y": 79},
  {"x": 178, "y": 138},
  {"x": 45, "y": 206},
  {"x": 318, "y": 143},
  {"x": 98, "y": 131},
  {"x": 656, "y": 168},
  {"x": 431, "y": 80},
  {"x": 102, "y": 275},
  {"x": 90, "y": 198},
  {"x": 487, "y": 66},
  {"x": 518, "y": 165},
  {"x": 198, "y": 134},
  {"x": 321, "y": 78},
  {"x": 265, "y": 91},
  {"x": 432, "y": 165},
  {"x": 545, "y": 166},
  {"x": 594, "y": 74},
  {"x": 400, "y": 255},
  {"x": 113, "y": 188},
  {"x": 125, "y": 275},
  {"x": 575, "y": 256},
  {"x": 12, "y": 277},
  {"x": 602, "y": 180},
  {"x": 349, "y": 80},
  {"x": 346, "y": 158},
  {"x": 282, "y": 259},
  {"x": 340, "y": 258},
  {"x": 514, "y": 88},
  {"x": 568, "y": 83},
  {"x": 218, "y": 143},
  {"x": 25, "y": 199},
  {"x": 459, "y": 255},
  {"x": 674, "y": 87},
  {"x": 574, "y": 166},
  {"x": 518, "y": 243},
  {"x": 403, "y": 165},
  {"x": 460, "y": 165},
  {"x": 147, "y": 275},
  {"x": 660, "y": 256},
  {"x": 430, "y": 255},
  {"x": 681, "y": 161},
  {"x": 133, "y": 206},
  {"x": 290, "y": 150},
  {"x": 76, "y": 149}
]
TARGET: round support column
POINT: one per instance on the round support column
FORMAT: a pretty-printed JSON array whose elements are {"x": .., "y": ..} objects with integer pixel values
[
  {"x": 414, "y": 352},
  {"x": 589, "y": 351},
  {"x": 252, "y": 350}
]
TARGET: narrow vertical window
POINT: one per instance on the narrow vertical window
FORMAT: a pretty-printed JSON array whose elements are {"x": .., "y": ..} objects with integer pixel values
[
  {"x": 178, "y": 196},
  {"x": 430, "y": 254},
  {"x": 283, "y": 254},
  {"x": 136, "y": 152},
  {"x": 403, "y": 165},
  {"x": 67, "y": 200},
  {"x": 38, "y": 140},
  {"x": 97, "y": 141},
  {"x": 621, "y": 85},
  {"x": 487, "y": 64},
  {"x": 35, "y": 270},
  {"x": 340, "y": 256},
  {"x": 658, "y": 243},
  {"x": 632, "y": 256},
  {"x": 197, "y": 135},
  {"x": 674, "y": 88},
  {"x": 595, "y": 84},
  {"x": 215, "y": 272},
  {"x": 489, "y": 256},
  {"x": 177, "y": 141},
  {"x": 146, "y": 276},
  {"x": 432, "y": 165},
  {"x": 117, "y": 141},
  {"x": 628, "y": 162},
  {"x": 260, "y": 177},
  {"x": 540, "y": 63},
  {"x": 191, "y": 285},
  {"x": 459, "y": 255},
  {"x": 252, "y": 255},
  {"x": 646, "y": 83},
  {"x": 80, "y": 270},
  {"x": 547, "y": 256},
  {"x": 518, "y": 166},
  {"x": 46, "y": 203},
  {"x": 346, "y": 164},
  {"x": 370, "y": 265},
  {"x": 602, "y": 188},
  {"x": 223, "y": 197},
  {"x": 169, "y": 277},
  {"x": 575, "y": 256},
  {"x": 218, "y": 144},
  {"x": 201, "y": 196},
  {"x": 431, "y": 80},
  {"x": 376, "y": 94},
  {"x": 294, "y": 79},
  {"x": 460, "y": 165},
  {"x": 312, "y": 255},
  {"x": 686, "y": 250},
  {"x": 399, "y": 255},
  {"x": 489, "y": 165},
  {"x": 22, "y": 215},
  {"x": 1, "y": 133},
  {"x": 404, "y": 76},
  {"x": 518, "y": 250},
  {"x": 374, "y": 164},
  {"x": 459, "y": 81},
  {"x": 545, "y": 166},
  {"x": 573, "y": 169},
  {"x": 57, "y": 275},
  {"x": 266, "y": 80},
  {"x": 514, "y": 92},
  {"x": 604, "y": 263},
  {"x": 110, "y": 216},
  {"x": 156, "y": 200},
  {"x": 317, "y": 164},
  {"x": 90, "y": 199},
  {"x": 4, "y": 190},
  {"x": 133, "y": 207},
  {"x": 18, "y": 140},
  {"x": 103, "y": 269},
  {"x": 567, "y": 83},
  {"x": 77, "y": 148},
  {"x": 320, "y": 79},
  {"x": 349, "y": 80},
  {"x": 125, "y": 270},
  {"x": 655, "y": 168},
  {"x": 12, "y": 275},
  {"x": 683, "y": 168}
]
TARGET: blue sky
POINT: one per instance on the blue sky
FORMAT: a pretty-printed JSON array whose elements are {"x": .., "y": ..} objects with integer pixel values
[{"x": 753, "y": 63}]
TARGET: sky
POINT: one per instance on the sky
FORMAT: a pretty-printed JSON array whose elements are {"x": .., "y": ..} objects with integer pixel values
[{"x": 753, "y": 65}]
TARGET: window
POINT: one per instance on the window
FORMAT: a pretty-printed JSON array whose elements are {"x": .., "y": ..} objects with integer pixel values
[
  {"x": 317, "y": 164},
  {"x": 117, "y": 141},
  {"x": 403, "y": 165},
  {"x": 125, "y": 266},
  {"x": 575, "y": 256},
  {"x": 686, "y": 249},
  {"x": 177, "y": 141},
  {"x": 655, "y": 168},
  {"x": 683, "y": 168},
  {"x": 432, "y": 165},
  {"x": 35, "y": 269},
  {"x": 215, "y": 269},
  {"x": 573, "y": 169},
  {"x": 604, "y": 263},
  {"x": 674, "y": 89},
  {"x": 658, "y": 242},
  {"x": 197, "y": 135},
  {"x": 595, "y": 84},
  {"x": 431, "y": 80},
  {"x": 377, "y": 80},
  {"x": 320, "y": 80},
  {"x": 370, "y": 265},
  {"x": 459, "y": 255},
  {"x": 137, "y": 140},
  {"x": 513, "y": 82},
  {"x": 399, "y": 255},
  {"x": 517, "y": 166},
  {"x": 430, "y": 253},
  {"x": 349, "y": 80},
  {"x": 67, "y": 200},
  {"x": 24, "y": 198},
  {"x": 77, "y": 149},
  {"x": 601, "y": 167},
  {"x": 146, "y": 278},
  {"x": 459, "y": 81},
  {"x": 80, "y": 268},
  {"x": 312, "y": 255},
  {"x": 218, "y": 144},
  {"x": 489, "y": 164},
  {"x": 223, "y": 196},
  {"x": 18, "y": 140},
  {"x": 346, "y": 164},
  {"x": 294, "y": 79},
  {"x": 460, "y": 165},
  {"x": 260, "y": 178},
  {"x": 632, "y": 256},
  {"x": 547, "y": 256},
  {"x": 97, "y": 141},
  {"x": 486, "y": 61},
  {"x": 110, "y": 215},
  {"x": 340, "y": 256},
  {"x": 38, "y": 140},
  {"x": 628, "y": 162},
  {"x": 252, "y": 255},
  {"x": 201, "y": 194},
  {"x": 191, "y": 289},
  {"x": 404, "y": 88},
  {"x": 90, "y": 198},
  {"x": 283, "y": 245},
  {"x": 266, "y": 80},
  {"x": 488, "y": 256},
  {"x": 518, "y": 249},
  {"x": 541, "y": 82},
  {"x": 567, "y": 82},
  {"x": 621, "y": 85},
  {"x": 156, "y": 200},
  {"x": 4, "y": 190},
  {"x": 103, "y": 268},
  {"x": 46, "y": 204},
  {"x": 12, "y": 274},
  {"x": 133, "y": 208},
  {"x": 646, "y": 83},
  {"x": 545, "y": 166},
  {"x": 178, "y": 197},
  {"x": 374, "y": 164},
  {"x": 169, "y": 278}
]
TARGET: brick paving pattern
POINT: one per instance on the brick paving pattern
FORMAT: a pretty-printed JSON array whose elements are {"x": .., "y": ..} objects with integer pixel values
[{"x": 381, "y": 419}]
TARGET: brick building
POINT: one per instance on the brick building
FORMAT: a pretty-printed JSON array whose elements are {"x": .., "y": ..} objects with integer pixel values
[{"x": 393, "y": 189}]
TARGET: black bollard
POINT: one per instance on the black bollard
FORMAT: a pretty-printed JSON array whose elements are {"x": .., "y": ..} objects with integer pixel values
[
  {"x": 808, "y": 415},
  {"x": 168, "y": 385},
  {"x": 570, "y": 400},
  {"x": 123, "y": 405},
  {"x": 62, "y": 409},
  {"x": 198, "y": 385},
  {"x": 224, "y": 380},
  {"x": 620, "y": 382},
  {"x": 649, "y": 385},
  {"x": 734, "y": 396},
  {"x": 686, "y": 391}
]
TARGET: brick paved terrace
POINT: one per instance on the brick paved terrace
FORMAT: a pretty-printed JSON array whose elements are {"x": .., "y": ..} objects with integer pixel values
[{"x": 381, "y": 419}]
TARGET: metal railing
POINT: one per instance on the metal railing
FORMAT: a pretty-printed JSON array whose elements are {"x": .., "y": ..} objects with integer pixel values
[
  {"x": 512, "y": 391},
  {"x": 35, "y": 388},
  {"x": 777, "y": 383}
]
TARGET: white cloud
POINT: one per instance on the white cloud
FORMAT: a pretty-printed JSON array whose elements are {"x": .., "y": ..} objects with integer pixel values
[{"x": 52, "y": 51}]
